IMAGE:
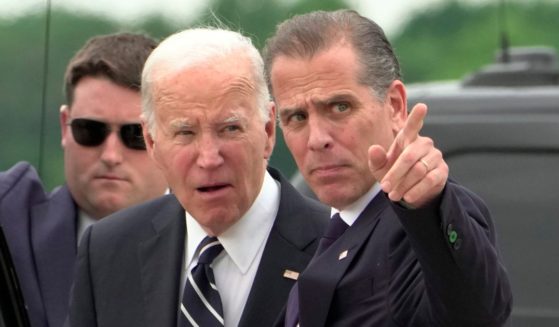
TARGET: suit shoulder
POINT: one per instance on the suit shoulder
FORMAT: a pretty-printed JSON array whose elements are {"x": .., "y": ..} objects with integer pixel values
[
  {"x": 138, "y": 216},
  {"x": 315, "y": 210},
  {"x": 19, "y": 180},
  {"x": 300, "y": 220},
  {"x": 302, "y": 204}
]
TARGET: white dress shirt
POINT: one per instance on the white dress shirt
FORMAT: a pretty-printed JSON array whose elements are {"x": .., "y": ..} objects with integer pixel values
[
  {"x": 350, "y": 214},
  {"x": 84, "y": 221},
  {"x": 235, "y": 267}
]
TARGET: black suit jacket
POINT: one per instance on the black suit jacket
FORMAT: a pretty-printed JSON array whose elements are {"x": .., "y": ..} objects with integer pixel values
[
  {"x": 437, "y": 266},
  {"x": 128, "y": 268}
]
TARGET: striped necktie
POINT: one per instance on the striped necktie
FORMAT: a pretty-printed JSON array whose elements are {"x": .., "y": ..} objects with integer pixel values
[{"x": 201, "y": 304}]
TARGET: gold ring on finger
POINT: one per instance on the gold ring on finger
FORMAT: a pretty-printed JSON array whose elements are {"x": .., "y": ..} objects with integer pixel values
[{"x": 425, "y": 164}]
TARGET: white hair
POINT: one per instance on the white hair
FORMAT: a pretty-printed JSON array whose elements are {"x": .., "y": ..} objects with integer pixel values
[{"x": 195, "y": 46}]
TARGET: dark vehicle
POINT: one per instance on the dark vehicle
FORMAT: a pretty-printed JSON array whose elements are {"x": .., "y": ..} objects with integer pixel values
[
  {"x": 499, "y": 132},
  {"x": 12, "y": 307}
]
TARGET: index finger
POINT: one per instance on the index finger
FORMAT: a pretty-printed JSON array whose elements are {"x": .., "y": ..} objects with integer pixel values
[{"x": 414, "y": 123}]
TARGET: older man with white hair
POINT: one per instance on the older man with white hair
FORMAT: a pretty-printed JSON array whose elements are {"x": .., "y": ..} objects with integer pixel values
[{"x": 226, "y": 246}]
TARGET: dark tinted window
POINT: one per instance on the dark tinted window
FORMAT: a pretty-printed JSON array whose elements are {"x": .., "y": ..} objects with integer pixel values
[{"x": 522, "y": 192}]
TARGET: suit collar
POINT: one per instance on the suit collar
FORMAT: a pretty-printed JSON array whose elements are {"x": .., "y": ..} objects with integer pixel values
[
  {"x": 169, "y": 208},
  {"x": 160, "y": 257},
  {"x": 293, "y": 210},
  {"x": 353, "y": 211},
  {"x": 287, "y": 248},
  {"x": 318, "y": 283}
]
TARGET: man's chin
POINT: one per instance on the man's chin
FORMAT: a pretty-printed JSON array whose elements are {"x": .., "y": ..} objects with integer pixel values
[
  {"x": 335, "y": 195},
  {"x": 326, "y": 194},
  {"x": 110, "y": 205}
]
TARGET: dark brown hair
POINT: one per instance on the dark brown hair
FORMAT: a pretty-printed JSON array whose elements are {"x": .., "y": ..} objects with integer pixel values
[
  {"x": 304, "y": 36},
  {"x": 119, "y": 57}
]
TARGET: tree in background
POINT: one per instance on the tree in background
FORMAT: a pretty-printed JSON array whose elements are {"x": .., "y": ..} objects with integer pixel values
[
  {"x": 454, "y": 39},
  {"x": 22, "y": 45},
  {"x": 445, "y": 43}
]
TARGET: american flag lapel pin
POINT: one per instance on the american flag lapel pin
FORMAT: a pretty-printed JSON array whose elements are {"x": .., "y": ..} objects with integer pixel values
[{"x": 290, "y": 274}]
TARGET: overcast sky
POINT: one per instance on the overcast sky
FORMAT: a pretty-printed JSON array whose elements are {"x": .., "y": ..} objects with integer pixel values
[{"x": 390, "y": 14}]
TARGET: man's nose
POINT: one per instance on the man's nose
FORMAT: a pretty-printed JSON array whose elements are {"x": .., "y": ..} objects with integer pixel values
[
  {"x": 209, "y": 153},
  {"x": 112, "y": 149},
  {"x": 319, "y": 134}
]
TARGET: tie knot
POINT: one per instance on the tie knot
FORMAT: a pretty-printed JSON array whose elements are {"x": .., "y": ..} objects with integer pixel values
[
  {"x": 336, "y": 227},
  {"x": 208, "y": 249}
]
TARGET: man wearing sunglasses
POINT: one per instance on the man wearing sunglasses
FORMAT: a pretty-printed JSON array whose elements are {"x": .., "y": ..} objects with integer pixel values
[{"x": 106, "y": 168}]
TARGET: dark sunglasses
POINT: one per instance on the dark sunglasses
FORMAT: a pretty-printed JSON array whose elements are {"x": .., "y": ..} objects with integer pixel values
[{"x": 89, "y": 132}]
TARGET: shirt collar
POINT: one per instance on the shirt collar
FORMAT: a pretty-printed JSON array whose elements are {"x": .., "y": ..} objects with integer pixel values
[
  {"x": 350, "y": 214},
  {"x": 242, "y": 240},
  {"x": 84, "y": 221}
]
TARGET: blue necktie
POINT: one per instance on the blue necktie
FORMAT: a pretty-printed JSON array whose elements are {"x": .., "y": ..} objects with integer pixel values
[
  {"x": 201, "y": 304},
  {"x": 335, "y": 229}
]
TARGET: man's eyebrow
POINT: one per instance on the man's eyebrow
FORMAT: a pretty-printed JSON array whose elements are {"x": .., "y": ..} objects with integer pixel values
[
  {"x": 321, "y": 103},
  {"x": 232, "y": 119},
  {"x": 339, "y": 97},
  {"x": 180, "y": 123}
]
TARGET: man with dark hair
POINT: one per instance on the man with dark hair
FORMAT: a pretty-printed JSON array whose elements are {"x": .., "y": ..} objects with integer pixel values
[
  {"x": 106, "y": 169},
  {"x": 406, "y": 246},
  {"x": 118, "y": 57}
]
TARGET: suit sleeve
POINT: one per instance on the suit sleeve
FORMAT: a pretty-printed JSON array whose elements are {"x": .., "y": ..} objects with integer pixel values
[
  {"x": 82, "y": 300},
  {"x": 466, "y": 283}
]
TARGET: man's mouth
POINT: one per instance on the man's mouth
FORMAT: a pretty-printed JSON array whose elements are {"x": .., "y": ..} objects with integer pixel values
[
  {"x": 326, "y": 168},
  {"x": 110, "y": 177},
  {"x": 212, "y": 188}
]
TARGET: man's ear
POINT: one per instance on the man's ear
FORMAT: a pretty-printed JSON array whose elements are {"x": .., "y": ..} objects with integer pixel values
[
  {"x": 396, "y": 100},
  {"x": 64, "y": 119},
  {"x": 270, "y": 129},
  {"x": 148, "y": 138}
]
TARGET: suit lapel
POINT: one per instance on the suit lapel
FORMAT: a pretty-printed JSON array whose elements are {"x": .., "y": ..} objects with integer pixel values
[
  {"x": 53, "y": 234},
  {"x": 270, "y": 288},
  {"x": 318, "y": 284},
  {"x": 161, "y": 258},
  {"x": 289, "y": 248}
]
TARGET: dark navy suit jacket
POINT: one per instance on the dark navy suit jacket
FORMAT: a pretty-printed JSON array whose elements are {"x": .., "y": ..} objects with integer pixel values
[
  {"x": 40, "y": 229},
  {"x": 435, "y": 266},
  {"x": 128, "y": 269}
]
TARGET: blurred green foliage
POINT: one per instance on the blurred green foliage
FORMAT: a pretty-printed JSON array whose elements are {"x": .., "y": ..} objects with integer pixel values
[
  {"x": 22, "y": 49},
  {"x": 443, "y": 43},
  {"x": 452, "y": 40}
]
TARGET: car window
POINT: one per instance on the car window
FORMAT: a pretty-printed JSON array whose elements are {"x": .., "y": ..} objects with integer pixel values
[{"x": 520, "y": 188}]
